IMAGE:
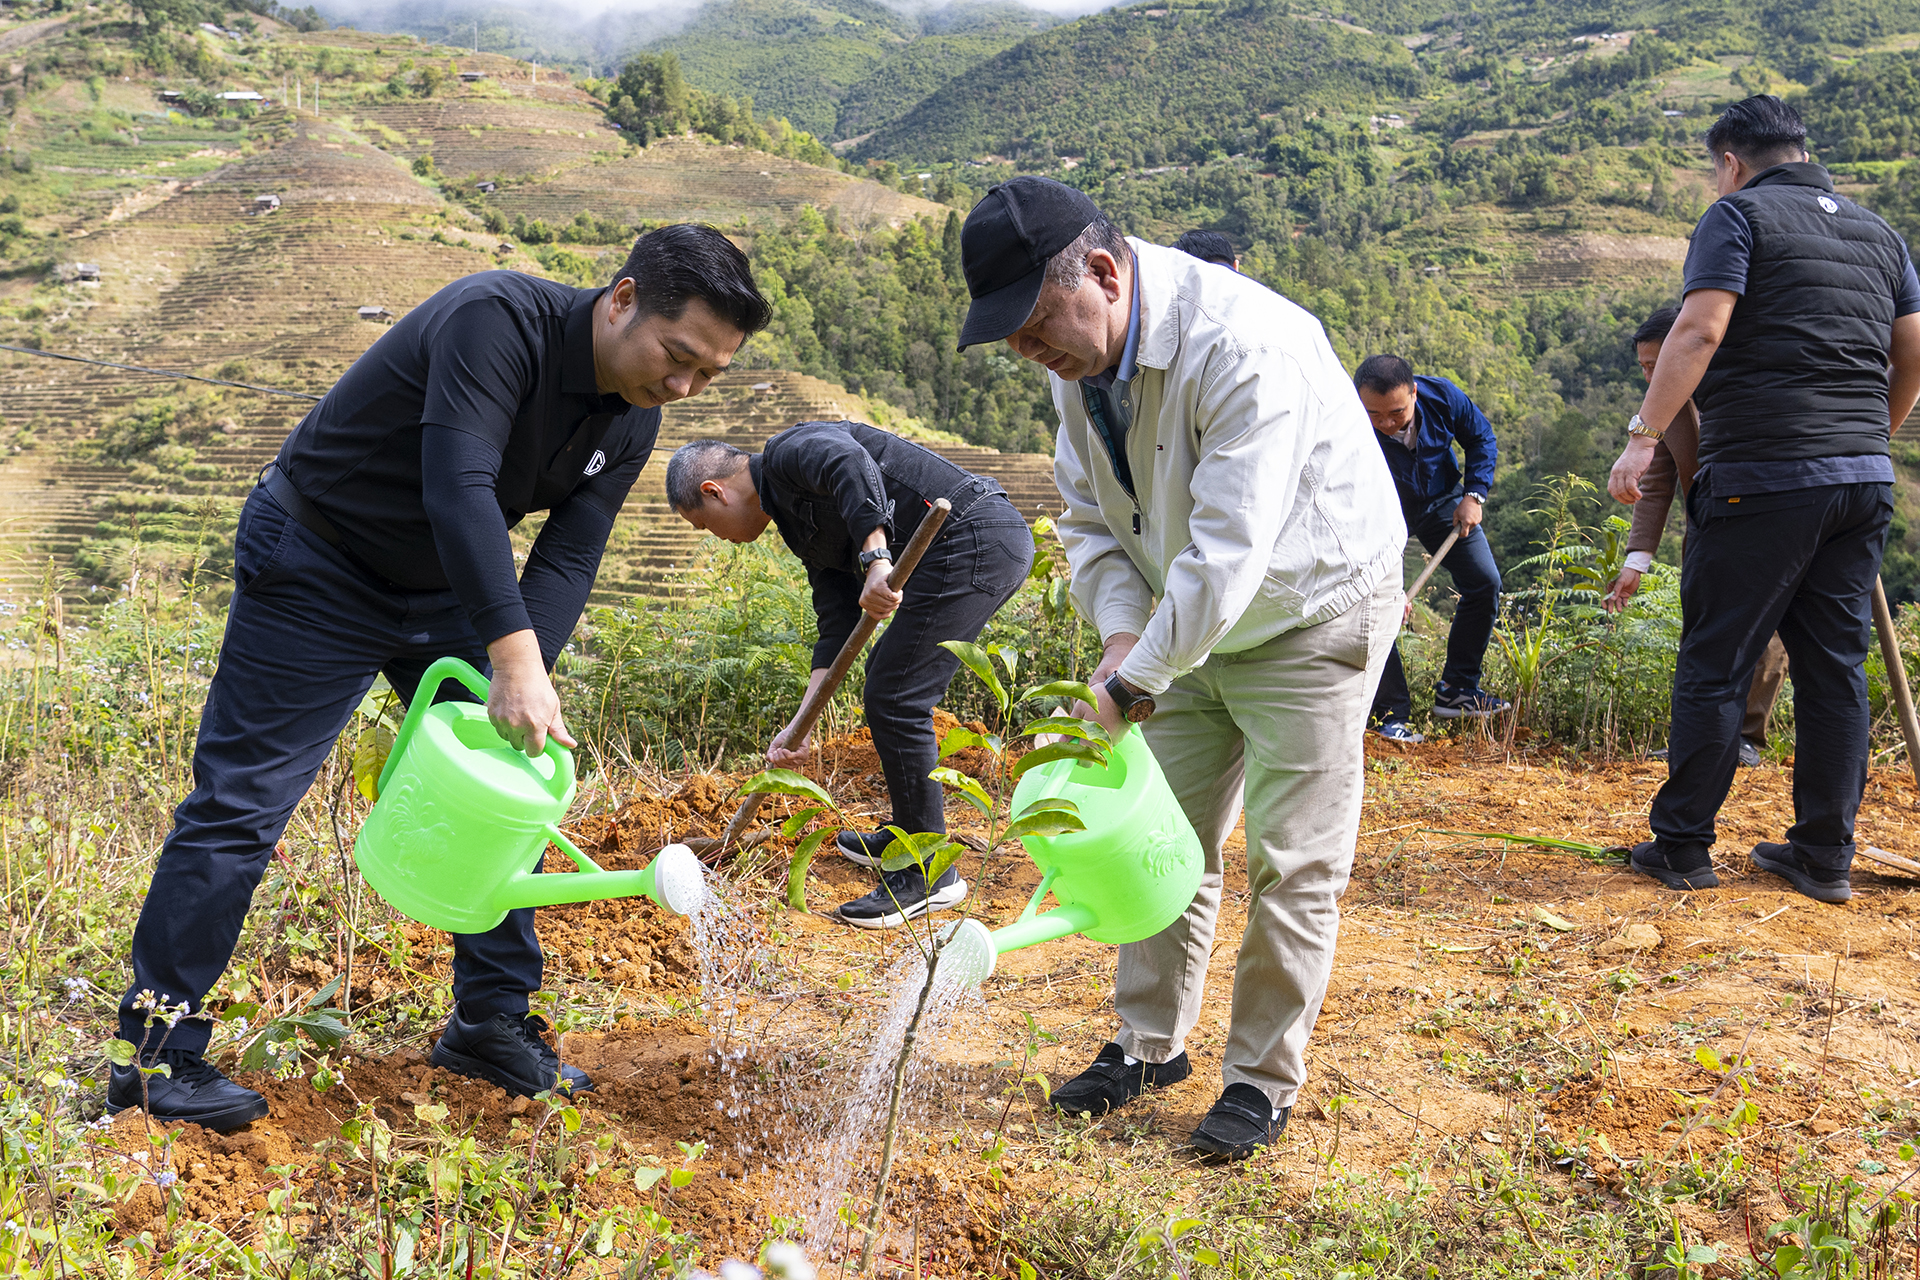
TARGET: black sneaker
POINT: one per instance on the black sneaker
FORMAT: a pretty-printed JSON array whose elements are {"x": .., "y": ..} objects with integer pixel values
[
  {"x": 903, "y": 896},
  {"x": 1749, "y": 754},
  {"x": 509, "y": 1050},
  {"x": 1239, "y": 1124},
  {"x": 1819, "y": 883},
  {"x": 195, "y": 1092},
  {"x": 1694, "y": 872},
  {"x": 1476, "y": 704},
  {"x": 868, "y": 848},
  {"x": 1111, "y": 1082}
]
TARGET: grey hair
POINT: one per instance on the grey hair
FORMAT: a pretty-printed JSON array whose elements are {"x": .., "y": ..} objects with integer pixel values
[
  {"x": 692, "y": 465},
  {"x": 1067, "y": 268}
]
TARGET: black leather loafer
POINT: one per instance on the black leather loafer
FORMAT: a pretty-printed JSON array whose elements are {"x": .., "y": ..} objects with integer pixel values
[
  {"x": 1239, "y": 1124},
  {"x": 508, "y": 1050},
  {"x": 194, "y": 1092},
  {"x": 1111, "y": 1083}
]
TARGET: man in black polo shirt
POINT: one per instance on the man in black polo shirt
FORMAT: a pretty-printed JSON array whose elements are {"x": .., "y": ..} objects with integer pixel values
[
  {"x": 1799, "y": 341},
  {"x": 378, "y": 542},
  {"x": 847, "y": 498}
]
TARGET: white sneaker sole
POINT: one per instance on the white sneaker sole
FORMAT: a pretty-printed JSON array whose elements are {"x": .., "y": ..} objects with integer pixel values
[
  {"x": 938, "y": 900},
  {"x": 856, "y": 857}
]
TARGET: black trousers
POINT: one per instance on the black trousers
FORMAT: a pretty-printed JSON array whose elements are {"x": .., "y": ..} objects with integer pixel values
[
  {"x": 972, "y": 568},
  {"x": 306, "y": 634},
  {"x": 1477, "y": 578},
  {"x": 1802, "y": 563}
]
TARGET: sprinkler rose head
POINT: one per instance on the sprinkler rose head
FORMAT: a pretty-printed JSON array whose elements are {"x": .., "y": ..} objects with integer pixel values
[
  {"x": 968, "y": 956},
  {"x": 679, "y": 881}
]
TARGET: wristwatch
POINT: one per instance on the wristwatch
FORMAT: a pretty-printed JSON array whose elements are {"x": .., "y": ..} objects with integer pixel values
[
  {"x": 1134, "y": 707},
  {"x": 867, "y": 558},
  {"x": 1637, "y": 426},
  {"x": 1480, "y": 498}
]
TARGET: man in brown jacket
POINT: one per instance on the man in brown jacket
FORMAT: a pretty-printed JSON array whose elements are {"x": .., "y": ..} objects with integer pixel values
[{"x": 1675, "y": 458}]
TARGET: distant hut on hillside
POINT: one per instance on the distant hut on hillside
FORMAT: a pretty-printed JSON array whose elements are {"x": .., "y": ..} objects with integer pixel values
[
  {"x": 266, "y": 203},
  {"x": 87, "y": 272},
  {"x": 242, "y": 95},
  {"x": 486, "y": 188},
  {"x": 471, "y": 76},
  {"x": 375, "y": 313}
]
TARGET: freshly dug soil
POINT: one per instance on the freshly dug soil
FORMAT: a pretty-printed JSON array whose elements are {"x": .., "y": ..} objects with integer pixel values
[{"x": 1476, "y": 986}]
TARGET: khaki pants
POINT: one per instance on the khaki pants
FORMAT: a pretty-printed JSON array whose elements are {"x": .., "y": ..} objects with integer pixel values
[{"x": 1284, "y": 724}]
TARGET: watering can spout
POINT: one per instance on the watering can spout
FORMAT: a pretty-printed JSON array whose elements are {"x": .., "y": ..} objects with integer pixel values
[
  {"x": 674, "y": 879},
  {"x": 971, "y": 952}
]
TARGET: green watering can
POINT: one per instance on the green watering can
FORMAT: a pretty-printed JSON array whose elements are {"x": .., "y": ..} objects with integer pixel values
[
  {"x": 1129, "y": 875},
  {"x": 463, "y": 819}
]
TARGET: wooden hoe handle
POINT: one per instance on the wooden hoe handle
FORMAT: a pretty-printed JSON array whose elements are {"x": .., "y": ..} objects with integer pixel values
[{"x": 863, "y": 631}]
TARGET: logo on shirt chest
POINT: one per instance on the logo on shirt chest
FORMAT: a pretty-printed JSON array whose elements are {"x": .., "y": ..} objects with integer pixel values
[{"x": 596, "y": 463}]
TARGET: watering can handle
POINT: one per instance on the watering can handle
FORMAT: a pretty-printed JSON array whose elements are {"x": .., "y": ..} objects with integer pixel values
[{"x": 464, "y": 672}]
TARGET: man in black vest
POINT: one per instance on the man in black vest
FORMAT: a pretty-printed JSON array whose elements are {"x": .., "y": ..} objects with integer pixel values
[
  {"x": 847, "y": 497},
  {"x": 1799, "y": 341},
  {"x": 378, "y": 542}
]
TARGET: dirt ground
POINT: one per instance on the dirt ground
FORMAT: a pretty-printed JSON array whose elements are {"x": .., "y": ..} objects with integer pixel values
[{"x": 1484, "y": 992}]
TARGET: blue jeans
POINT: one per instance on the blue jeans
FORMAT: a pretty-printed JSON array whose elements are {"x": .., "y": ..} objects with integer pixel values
[
  {"x": 1477, "y": 579},
  {"x": 306, "y": 634}
]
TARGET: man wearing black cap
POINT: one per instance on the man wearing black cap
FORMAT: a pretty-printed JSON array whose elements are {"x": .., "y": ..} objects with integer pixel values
[
  {"x": 1799, "y": 342},
  {"x": 1234, "y": 538}
]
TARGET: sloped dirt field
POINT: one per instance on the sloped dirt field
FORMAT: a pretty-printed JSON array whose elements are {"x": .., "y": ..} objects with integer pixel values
[{"x": 1492, "y": 1000}]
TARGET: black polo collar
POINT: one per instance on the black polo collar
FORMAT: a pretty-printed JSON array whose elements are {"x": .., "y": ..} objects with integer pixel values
[
  {"x": 577, "y": 377},
  {"x": 1797, "y": 174}
]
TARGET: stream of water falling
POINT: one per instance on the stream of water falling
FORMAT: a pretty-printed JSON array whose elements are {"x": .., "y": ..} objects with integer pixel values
[
  {"x": 837, "y": 1131},
  {"x": 843, "y": 1135}
]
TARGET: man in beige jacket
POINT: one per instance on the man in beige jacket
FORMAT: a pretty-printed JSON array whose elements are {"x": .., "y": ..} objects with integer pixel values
[
  {"x": 1234, "y": 536},
  {"x": 1675, "y": 459}
]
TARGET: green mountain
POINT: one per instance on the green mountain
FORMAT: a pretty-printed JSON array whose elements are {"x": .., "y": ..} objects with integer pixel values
[
  {"x": 1147, "y": 82},
  {"x": 808, "y": 61}
]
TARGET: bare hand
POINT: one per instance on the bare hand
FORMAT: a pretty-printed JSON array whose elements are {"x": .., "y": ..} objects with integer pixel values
[
  {"x": 1621, "y": 590},
  {"x": 522, "y": 705},
  {"x": 1104, "y": 711},
  {"x": 877, "y": 598},
  {"x": 1406, "y": 612},
  {"x": 784, "y": 753},
  {"x": 1466, "y": 516},
  {"x": 1623, "y": 482}
]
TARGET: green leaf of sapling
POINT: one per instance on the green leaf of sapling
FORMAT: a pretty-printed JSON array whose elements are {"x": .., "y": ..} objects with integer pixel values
[
  {"x": 960, "y": 738},
  {"x": 785, "y": 782},
  {"x": 1091, "y": 752},
  {"x": 1048, "y": 823},
  {"x": 794, "y": 825},
  {"x": 981, "y": 665},
  {"x": 975, "y": 794},
  {"x": 797, "y": 869},
  {"x": 1074, "y": 689}
]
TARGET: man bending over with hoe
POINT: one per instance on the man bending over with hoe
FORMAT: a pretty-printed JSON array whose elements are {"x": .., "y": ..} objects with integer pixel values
[
  {"x": 1234, "y": 538},
  {"x": 847, "y": 498},
  {"x": 377, "y": 542}
]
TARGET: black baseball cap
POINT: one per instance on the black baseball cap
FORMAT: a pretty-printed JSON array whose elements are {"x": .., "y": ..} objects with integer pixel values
[{"x": 1004, "y": 249}]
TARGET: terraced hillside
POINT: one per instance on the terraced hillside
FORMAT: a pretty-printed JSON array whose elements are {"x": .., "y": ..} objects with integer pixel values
[
  {"x": 684, "y": 179},
  {"x": 196, "y": 274}
]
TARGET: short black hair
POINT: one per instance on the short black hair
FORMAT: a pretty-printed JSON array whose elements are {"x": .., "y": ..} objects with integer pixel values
[
  {"x": 693, "y": 464},
  {"x": 1657, "y": 326},
  {"x": 1383, "y": 373},
  {"x": 1758, "y": 129},
  {"x": 1208, "y": 246},
  {"x": 672, "y": 266}
]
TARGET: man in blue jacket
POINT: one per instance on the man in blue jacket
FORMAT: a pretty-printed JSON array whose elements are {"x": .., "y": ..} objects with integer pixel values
[{"x": 1417, "y": 420}]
